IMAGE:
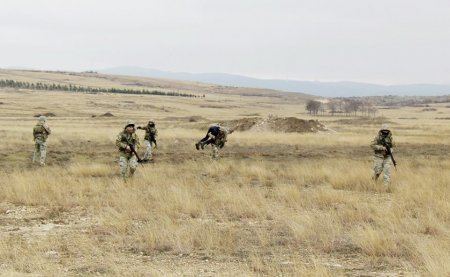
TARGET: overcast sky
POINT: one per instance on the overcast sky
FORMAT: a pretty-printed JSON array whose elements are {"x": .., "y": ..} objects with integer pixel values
[{"x": 383, "y": 41}]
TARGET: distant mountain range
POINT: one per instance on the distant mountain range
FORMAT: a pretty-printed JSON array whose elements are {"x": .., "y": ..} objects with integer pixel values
[{"x": 327, "y": 89}]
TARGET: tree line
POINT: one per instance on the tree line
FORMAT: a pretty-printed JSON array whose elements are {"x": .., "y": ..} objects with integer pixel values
[
  {"x": 74, "y": 88},
  {"x": 341, "y": 106}
]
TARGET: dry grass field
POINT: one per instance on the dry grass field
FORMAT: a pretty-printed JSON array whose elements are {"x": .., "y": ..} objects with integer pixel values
[{"x": 275, "y": 204}]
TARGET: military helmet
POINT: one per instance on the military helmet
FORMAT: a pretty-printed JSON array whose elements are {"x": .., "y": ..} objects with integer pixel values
[
  {"x": 129, "y": 123},
  {"x": 384, "y": 126},
  {"x": 42, "y": 118},
  {"x": 151, "y": 122}
]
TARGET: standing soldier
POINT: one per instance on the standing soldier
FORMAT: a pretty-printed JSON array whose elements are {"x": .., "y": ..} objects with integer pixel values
[
  {"x": 382, "y": 161},
  {"x": 40, "y": 134},
  {"x": 151, "y": 134},
  {"x": 216, "y": 136},
  {"x": 126, "y": 141}
]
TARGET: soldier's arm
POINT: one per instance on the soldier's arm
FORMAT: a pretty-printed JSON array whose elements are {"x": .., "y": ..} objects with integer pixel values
[
  {"x": 376, "y": 146},
  {"x": 120, "y": 144},
  {"x": 47, "y": 129}
]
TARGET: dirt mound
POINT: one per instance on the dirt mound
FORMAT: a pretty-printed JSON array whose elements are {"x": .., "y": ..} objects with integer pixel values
[
  {"x": 277, "y": 124},
  {"x": 194, "y": 118},
  {"x": 45, "y": 114},
  {"x": 108, "y": 114}
]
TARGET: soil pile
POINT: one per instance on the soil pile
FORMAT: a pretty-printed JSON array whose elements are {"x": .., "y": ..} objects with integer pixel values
[
  {"x": 277, "y": 124},
  {"x": 108, "y": 114},
  {"x": 45, "y": 114}
]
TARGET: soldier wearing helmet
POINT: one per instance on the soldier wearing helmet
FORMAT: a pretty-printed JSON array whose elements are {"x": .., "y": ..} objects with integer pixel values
[
  {"x": 41, "y": 131},
  {"x": 381, "y": 160},
  {"x": 151, "y": 134},
  {"x": 125, "y": 140}
]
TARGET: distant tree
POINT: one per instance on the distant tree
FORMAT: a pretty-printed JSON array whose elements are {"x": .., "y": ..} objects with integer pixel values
[
  {"x": 333, "y": 106},
  {"x": 313, "y": 106}
]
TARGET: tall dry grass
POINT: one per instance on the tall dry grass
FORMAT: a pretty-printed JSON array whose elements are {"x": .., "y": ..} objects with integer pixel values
[{"x": 316, "y": 215}]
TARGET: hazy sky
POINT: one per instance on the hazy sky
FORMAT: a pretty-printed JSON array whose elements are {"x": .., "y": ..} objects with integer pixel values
[{"x": 383, "y": 41}]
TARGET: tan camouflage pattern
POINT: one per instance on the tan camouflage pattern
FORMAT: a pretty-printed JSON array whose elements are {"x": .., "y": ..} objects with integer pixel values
[
  {"x": 219, "y": 142},
  {"x": 381, "y": 161},
  {"x": 382, "y": 165},
  {"x": 215, "y": 151},
  {"x": 40, "y": 151},
  {"x": 127, "y": 159},
  {"x": 41, "y": 131},
  {"x": 148, "y": 150},
  {"x": 124, "y": 163},
  {"x": 150, "y": 132}
]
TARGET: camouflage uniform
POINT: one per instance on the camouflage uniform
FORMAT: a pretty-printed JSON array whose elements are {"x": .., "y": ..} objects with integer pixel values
[
  {"x": 40, "y": 134},
  {"x": 126, "y": 157},
  {"x": 151, "y": 134},
  {"x": 219, "y": 141},
  {"x": 381, "y": 161}
]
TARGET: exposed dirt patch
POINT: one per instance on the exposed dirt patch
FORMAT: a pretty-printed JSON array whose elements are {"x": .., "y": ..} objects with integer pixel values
[
  {"x": 277, "y": 124},
  {"x": 45, "y": 114}
]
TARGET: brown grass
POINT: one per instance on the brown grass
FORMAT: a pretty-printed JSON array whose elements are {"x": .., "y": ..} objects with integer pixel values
[{"x": 275, "y": 204}]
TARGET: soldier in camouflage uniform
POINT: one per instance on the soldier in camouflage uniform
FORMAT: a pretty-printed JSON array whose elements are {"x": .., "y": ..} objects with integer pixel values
[
  {"x": 40, "y": 134},
  {"x": 151, "y": 134},
  {"x": 216, "y": 136},
  {"x": 126, "y": 157},
  {"x": 382, "y": 161}
]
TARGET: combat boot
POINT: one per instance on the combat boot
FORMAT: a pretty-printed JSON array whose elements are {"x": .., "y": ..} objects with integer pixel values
[{"x": 197, "y": 146}]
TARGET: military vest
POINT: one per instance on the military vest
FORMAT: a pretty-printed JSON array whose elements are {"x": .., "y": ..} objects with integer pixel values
[
  {"x": 382, "y": 140},
  {"x": 126, "y": 139},
  {"x": 39, "y": 132},
  {"x": 150, "y": 133}
]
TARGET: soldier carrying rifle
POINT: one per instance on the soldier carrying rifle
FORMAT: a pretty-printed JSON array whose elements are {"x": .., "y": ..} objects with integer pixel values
[
  {"x": 128, "y": 142},
  {"x": 382, "y": 146},
  {"x": 151, "y": 134}
]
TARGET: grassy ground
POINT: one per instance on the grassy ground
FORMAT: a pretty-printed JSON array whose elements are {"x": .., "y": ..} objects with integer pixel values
[{"x": 275, "y": 204}]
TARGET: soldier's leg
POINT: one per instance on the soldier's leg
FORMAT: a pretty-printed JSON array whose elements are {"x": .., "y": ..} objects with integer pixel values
[
  {"x": 123, "y": 164},
  {"x": 37, "y": 152},
  {"x": 133, "y": 165},
  {"x": 215, "y": 152},
  {"x": 43, "y": 149},
  {"x": 387, "y": 171},
  {"x": 377, "y": 167},
  {"x": 148, "y": 150}
]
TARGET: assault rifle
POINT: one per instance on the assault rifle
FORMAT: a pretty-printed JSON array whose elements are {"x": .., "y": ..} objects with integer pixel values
[
  {"x": 389, "y": 152},
  {"x": 133, "y": 150}
]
